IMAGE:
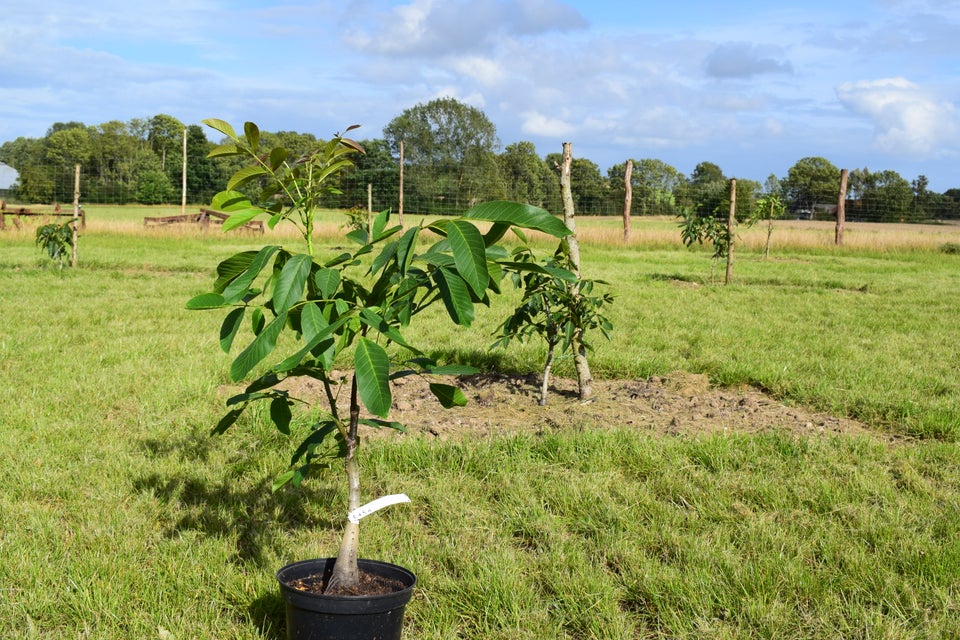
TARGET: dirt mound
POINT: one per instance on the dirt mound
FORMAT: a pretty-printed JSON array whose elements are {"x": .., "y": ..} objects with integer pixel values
[{"x": 677, "y": 404}]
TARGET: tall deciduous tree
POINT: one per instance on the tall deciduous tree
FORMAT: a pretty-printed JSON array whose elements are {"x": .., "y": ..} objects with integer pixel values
[
  {"x": 587, "y": 185},
  {"x": 165, "y": 135},
  {"x": 887, "y": 196},
  {"x": 449, "y": 147},
  {"x": 653, "y": 182},
  {"x": 809, "y": 182},
  {"x": 707, "y": 192},
  {"x": 524, "y": 173}
]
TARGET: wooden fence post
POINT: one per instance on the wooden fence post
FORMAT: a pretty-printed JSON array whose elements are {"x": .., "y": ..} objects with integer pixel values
[
  {"x": 183, "y": 178},
  {"x": 627, "y": 200},
  {"x": 731, "y": 230},
  {"x": 841, "y": 208},
  {"x": 76, "y": 212},
  {"x": 400, "y": 204},
  {"x": 584, "y": 377}
]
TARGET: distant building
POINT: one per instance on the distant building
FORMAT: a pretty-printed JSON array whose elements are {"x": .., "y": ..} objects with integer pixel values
[{"x": 8, "y": 176}]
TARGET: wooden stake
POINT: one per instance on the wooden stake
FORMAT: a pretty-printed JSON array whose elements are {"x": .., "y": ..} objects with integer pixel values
[
  {"x": 183, "y": 180},
  {"x": 841, "y": 207},
  {"x": 731, "y": 230},
  {"x": 584, "y": 377},
  {"x": 400, "y": 205},
  {"x": 76, "y": 212},
  {"x": 627, "y": 200}
]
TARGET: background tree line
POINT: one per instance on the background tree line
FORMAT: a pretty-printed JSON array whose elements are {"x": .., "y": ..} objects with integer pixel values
[{"x": 452, "y": 160}]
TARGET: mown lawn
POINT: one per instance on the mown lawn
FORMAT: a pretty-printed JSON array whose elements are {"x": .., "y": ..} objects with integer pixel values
[{"x": 120, "y": 517}]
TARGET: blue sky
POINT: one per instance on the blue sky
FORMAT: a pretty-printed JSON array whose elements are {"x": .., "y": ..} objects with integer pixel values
[{"x": 750, "y": 86}]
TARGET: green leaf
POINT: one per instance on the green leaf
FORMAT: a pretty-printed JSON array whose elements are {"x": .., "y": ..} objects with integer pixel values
[
  {"x": 232, "y": 267},
  {"x": 496, "y": 233},
  {"x": 205, "y": 301},
  {"x": 376, "y": 424},
  {"x": 384, "y": 257},
  {"x": 372, "y": 367},
  {"x": 257, "y": 320},
  {"x": 469, "y": 254},
  {"x": 280, "y": 414},
  {"x": 227, "y": 421},
  {"x": 340, "y": 259},
  {"x": 239, "y": 218},
  {"x": 520, "y": 215},
  {"x": 239, "y": 286},
  {"x": 260, "y": 348},
  {"x": 293, "y": 278},
  {"x": 230, "y": 201},
  {"x": 222, "y": 126},
  {"x": 312, "y": 321},
  {"x": 225, "y": 150},
  {"x": 314, "y": 440},
  {"x": 360, "y": 236},
  {"x": 311, "y": 343},
  {"x": 245, "y": 175},
  {"x": 284, "y": 479},
  {"x": 327, "y": 281},
  {"x": 455, "y": 295},
  {"x": 252, "y": 133},
  {"x": 376, "y": 322},
  {"x": 379, "y": 223},
  {"x": 230, "y": 327},
  {"x": 277, "y": 156},
  {"x": 405, "y": 249},
  {"x": 448, "y": 395}
]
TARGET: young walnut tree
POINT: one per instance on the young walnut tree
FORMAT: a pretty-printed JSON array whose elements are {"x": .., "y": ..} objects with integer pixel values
[
  {"x": 349, "y": 310},
  {"x": 556, "y": 306}
]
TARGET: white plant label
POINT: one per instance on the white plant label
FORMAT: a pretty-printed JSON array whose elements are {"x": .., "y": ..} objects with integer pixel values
[{"x": 375, "y": 505}]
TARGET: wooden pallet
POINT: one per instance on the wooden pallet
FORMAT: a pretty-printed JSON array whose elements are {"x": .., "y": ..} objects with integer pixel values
[{"x": 205, "y": 218}]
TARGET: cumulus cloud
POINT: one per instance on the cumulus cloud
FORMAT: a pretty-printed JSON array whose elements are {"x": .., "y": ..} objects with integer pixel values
[
  {"x": 743, "y": 60},
  {"x": 906, "y": 119},
  {"x": 538, "y": 124},
  {"x": 430, "y": 27}
]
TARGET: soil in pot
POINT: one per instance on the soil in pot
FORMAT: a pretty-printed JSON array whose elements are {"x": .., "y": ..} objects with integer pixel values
[
  {"x": 313, "y": 615},
  {"x": 371, "y": 584}
]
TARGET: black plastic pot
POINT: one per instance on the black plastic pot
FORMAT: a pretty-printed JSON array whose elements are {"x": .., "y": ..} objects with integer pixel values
[{"x": 313, "y": 616}]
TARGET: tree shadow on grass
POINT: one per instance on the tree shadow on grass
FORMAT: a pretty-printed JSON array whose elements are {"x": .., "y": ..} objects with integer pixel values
[
  {"x": 267, "y": 613},
  {"x": 493, "y": 360},
  {"x": 234, "y": 506}
]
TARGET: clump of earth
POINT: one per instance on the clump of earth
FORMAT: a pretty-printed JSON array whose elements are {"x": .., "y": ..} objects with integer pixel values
[{"x": 677, "y": 404}]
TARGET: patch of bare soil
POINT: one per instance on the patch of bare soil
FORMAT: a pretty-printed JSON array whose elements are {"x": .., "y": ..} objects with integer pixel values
[{"x": 677, "y": 404}]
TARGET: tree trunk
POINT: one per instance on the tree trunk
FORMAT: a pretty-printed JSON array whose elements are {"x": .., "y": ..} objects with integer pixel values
[
  {"x": 76, "y": 214},
  {"x": 627, "y": 200},
  {"x": 346, "y": 574},
  {"x": 584, "y": 377},
  {"x": 731, "y": 230},
  {"x": 547, "y": 367},
  {"x": 841, "y": 208},
  {"x": 400, "y": 203},
  {"x": 183, "y": 178}
]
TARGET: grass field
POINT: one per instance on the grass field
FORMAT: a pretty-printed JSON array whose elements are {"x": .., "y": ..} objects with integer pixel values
[{"x": 120, "y": 518}]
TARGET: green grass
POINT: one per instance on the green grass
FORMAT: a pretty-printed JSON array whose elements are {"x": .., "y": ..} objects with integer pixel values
[{"x": 120, "y": 518}]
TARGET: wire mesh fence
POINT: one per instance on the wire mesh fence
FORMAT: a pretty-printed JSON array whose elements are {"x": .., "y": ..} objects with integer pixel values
[{"x": 452, "y": 190}]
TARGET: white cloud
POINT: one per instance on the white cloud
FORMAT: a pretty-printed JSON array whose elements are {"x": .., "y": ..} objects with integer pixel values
[
  {"x": 435, "y": 27},
  {"x": 484, "y": 70},
  {"x": 538, "y": 124},
  {"x": 906, "y": 119},
  {"x": 744, "y": 60}
]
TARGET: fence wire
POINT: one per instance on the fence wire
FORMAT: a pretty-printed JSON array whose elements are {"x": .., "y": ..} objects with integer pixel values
[{"x": 430, "y": 191}]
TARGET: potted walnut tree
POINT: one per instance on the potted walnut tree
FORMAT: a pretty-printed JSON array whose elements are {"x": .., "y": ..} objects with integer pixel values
[{"x": 342, "y": 321}]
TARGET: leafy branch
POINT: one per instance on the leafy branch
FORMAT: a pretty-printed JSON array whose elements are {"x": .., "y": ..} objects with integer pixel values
[{"x": 556, "y": 306}]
